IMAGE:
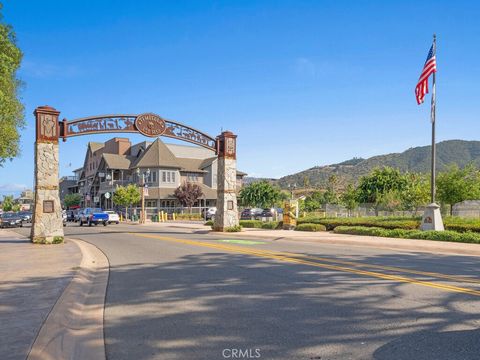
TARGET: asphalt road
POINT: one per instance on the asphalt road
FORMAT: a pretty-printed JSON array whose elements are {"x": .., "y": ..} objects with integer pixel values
[{"x": 181, "y": 295}]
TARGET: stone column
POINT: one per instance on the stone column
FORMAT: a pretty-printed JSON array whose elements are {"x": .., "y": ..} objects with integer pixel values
[
  {"x": 47, "y": 224},
  {"x": 227, "y": 213}
]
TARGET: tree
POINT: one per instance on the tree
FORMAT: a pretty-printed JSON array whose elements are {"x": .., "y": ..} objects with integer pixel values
[
  {"x": 260, "y": 194},
  {"x": 349, "y": 198},
  {"x": 455, "y": 185},
  {"x": 380, "y": 181},
  {"x": 72, "y": 200},
  {"x": 11, "y": 109},
  {"x": 314, "y": 201},
  {"x": 187, "y": 194},
  {"x": 126, "y": 195},
  {"x": 8, "y": 203},
  {"x": 417, "y": 191}
]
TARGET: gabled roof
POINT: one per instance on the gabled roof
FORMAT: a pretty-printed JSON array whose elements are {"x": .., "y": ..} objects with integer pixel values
[
  {"x": 94, "y": 146},
  {"x": 117, "y": 162},
  {"x": 190, "y": 165},
  {"x": 157, "y": 155},
  {"x": 207, "y": 162}
]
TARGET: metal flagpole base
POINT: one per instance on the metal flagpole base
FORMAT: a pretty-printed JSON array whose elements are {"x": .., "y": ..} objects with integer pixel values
[{"x": 432, "y": 218}]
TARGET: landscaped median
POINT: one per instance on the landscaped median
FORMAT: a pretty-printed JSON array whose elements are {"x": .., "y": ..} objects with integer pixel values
[
  {"x": 406, "y": 223},
  {"x": 457, "y": 229},
  {"x": 448, "y": 235}
]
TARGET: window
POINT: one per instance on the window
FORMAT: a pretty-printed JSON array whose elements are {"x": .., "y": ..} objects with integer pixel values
[
  {"x": 152, "y": 177},
  {"x": 192, "y": 177},
  {"x": 168, "y": 177}
]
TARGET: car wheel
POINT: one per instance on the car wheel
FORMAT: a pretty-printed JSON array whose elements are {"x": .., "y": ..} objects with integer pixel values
[
  {"x": 105, "y": 223},
  {"x": 89, "y": 223},
  {"x": 81, "y": 223},
  {"x": 118, "y": 222}
]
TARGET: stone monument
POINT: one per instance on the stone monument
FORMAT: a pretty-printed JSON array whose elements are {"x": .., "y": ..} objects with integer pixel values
[
  {"x": 432, "y": 218},
  {"x": 227, "y": 212},
  {"x": 47, "y": 224}
]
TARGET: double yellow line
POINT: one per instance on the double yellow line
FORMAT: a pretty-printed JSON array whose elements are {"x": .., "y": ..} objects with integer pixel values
[{"x": 329, "y": 264}]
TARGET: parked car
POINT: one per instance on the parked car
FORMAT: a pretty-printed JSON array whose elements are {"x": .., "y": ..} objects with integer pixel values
[
  {"x": 71, "y": 215},
  {"x": 76, "y": 215},
  {"x": 112, "y": 217},
  {"x": 266, "y": 213},
  {"x": 26, "y": 215},
  {"x": 93, "y": 216},
  {"x": 11, "y": 220},
  {"x": 250, "y": 214},
  {"x": 209, "y": 213}
]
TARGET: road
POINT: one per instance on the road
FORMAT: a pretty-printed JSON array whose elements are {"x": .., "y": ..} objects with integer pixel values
[{"x": 174, "y": 294}]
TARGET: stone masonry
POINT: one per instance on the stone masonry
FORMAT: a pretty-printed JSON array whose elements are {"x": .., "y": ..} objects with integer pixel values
[
  {"x": 47, "y": 224},
  {"x": 227, "y": 212}
]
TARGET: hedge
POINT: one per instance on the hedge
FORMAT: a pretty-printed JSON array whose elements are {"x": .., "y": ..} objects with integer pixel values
[
  {"x": 310, "y": 227},
  {"x": 188, "y": 217},
  {"x": 209, "y": 223},
  {"x": 271, "y": 225},
  {"x": 256, "y": 224},
  {"x": 236, "y": 228},
  {"x": 448, "y": 235},
  {"x": 384, "y": 222}
]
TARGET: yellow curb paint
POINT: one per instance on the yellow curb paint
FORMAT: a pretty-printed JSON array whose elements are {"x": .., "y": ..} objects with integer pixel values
[{"x": 291, "y": 259}]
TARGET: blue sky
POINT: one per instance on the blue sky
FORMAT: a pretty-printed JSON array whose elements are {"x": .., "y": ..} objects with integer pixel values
[{"x": 302, "y": 83}]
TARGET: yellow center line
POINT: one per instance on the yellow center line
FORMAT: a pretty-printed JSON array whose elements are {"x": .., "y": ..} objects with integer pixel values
[
  {"x": 290, "y": 259},
  {"x": 456, "y": 278}
]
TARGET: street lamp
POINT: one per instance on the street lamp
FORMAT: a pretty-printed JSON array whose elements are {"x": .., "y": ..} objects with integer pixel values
[{"x": 141, "y": 175}]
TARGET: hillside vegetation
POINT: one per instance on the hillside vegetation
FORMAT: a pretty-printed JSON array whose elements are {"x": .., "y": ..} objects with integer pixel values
[{"x": 416, "y": 159}]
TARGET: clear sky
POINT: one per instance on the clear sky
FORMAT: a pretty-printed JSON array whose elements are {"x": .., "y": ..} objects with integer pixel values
[{"x": 302, "y": 83}]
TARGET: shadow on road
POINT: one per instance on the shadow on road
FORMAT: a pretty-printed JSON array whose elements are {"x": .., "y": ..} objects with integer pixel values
[{"x": 196, "y": 307}]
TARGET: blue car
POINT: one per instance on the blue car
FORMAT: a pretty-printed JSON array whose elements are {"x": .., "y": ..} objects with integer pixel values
[{"x": 93, "y": 216}]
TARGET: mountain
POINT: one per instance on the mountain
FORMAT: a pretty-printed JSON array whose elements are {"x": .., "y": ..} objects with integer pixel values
[{"x": 416, "y": 159}]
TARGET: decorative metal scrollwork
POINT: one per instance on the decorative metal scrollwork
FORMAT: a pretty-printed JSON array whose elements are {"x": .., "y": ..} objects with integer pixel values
[{"x": 128, "y": 123}]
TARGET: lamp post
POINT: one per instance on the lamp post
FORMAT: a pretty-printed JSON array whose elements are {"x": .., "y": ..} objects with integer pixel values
[{"x": 141, "y": 175}]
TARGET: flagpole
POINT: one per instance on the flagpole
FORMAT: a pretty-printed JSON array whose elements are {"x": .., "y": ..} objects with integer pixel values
[{"x": 432, "y": 115}]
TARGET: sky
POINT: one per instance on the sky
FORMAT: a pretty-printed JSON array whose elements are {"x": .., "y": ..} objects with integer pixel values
[{"x": 302, "y": 83}]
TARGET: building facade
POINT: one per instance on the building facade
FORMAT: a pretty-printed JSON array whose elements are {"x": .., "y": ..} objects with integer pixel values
[{"x": 118, "y": 162}]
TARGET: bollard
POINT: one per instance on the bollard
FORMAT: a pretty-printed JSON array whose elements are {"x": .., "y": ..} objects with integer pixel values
[
  {"x": 165, "y": 218},
  {"x": 158, "y": 217},
  {"x": 173, "y": 216}
]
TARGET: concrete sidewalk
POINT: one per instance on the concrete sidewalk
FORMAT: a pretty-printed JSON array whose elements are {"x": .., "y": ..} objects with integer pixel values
[
  {"x": 51, "y": 299},
  {"x": 32, "y": 278},
  {"x": 439, "y": 247}
]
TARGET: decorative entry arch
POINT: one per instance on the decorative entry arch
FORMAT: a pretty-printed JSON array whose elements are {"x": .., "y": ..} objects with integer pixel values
[{"x": 47, "y": 226}]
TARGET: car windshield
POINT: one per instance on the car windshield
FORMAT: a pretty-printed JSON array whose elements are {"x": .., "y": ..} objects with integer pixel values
[
  {"x": 110, "y": 212},
  {"x": 97, "y": 210},
  {"x": 8, "y": 216}
]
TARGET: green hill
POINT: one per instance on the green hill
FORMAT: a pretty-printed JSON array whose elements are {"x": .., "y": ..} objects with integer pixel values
[{"x": 416, "y": 159}]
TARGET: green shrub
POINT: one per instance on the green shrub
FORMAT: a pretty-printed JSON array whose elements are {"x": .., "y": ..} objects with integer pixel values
[
  {"x": 209, "y": 223},
  {"x": 272, "y": 225},
  {"x": 461, "y": 224},
  {"x": 57, "y": 240},
  {"x": 188, "y": 217},
  {"x": 448, "y": 235},
  {"x": 310, "y": 227},
  {"x": 235, "y": 228},
  {"x": 255, "y": 224},
  {"x": 383, "y": 222}
]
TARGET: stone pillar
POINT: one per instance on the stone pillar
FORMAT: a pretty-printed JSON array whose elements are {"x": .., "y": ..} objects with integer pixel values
[
  {"x": 227, "y": 212},
  {"x": 47, "y": 224}
]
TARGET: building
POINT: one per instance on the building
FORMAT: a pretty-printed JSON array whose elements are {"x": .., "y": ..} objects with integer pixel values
[
  {"x": 25, "y": 200},
  {"x": 69, "y": 184},
  {"x": 118, "y": 162}
]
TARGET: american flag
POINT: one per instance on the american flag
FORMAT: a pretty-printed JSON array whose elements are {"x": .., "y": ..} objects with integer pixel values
[{"x": 429, "y": 68}]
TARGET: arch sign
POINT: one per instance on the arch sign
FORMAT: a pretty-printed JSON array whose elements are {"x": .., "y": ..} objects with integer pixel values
[{"x": 47, "y": 225}]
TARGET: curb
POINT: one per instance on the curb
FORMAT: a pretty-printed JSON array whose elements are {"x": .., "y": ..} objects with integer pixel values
[
  {"x": 398, "y": 244},
  {"x": 74, "y": 327}
]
